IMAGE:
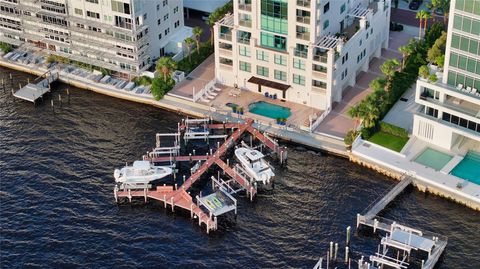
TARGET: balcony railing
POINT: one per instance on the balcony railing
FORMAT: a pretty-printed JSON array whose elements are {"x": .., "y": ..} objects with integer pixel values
[
  {"x": 304, "y": 36},
  {"x": 320, "y": 58},
  {"x": 226, "y": 36},
  {"x": 303, "y": 19},
  {"x": 303, "y": 3},
  {"x": 246, "y": 23},
  {"x": 245, "y": 7},
  {"x": 245, "y": 41},
  {"x": 300, "y": 53}
]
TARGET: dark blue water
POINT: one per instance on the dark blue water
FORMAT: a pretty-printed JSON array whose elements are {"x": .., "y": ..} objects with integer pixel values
[{"x": 57, "y": 207}]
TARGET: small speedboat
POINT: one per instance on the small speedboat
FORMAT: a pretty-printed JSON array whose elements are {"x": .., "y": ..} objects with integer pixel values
[
  {"x": 141, "y": 172},
  {"x": 254, "y": 164}
]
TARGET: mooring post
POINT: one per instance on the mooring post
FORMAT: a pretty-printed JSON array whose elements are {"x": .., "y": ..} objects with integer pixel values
[
  {"x": 336, "y": 252},
  {"x": 68, "y": 95},
  {"x": 176, "y": 187},
  {"x": 183, "y": 179},
  {"x": 173, "y": 204},
  {"x": 60, "y": 99},
  {"x": 328, "y": 259},
  {"x": 53, "y": 108},
  {"x": 193, "y": 152},
  {"x": 165, "y": 200},
  {"x": 346, "y": 254},
  {"x": 348, "y": 235}
]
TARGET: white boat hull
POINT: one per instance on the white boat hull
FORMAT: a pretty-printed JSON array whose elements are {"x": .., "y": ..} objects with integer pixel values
[
  {"x": 141, "y": 172},
  {"x": 255, "y": 166}
]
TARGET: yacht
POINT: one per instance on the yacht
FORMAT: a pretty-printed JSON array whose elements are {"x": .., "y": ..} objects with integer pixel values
[
  {"x": 254, "y": 164},
  {"x": 140, "y": 173}
]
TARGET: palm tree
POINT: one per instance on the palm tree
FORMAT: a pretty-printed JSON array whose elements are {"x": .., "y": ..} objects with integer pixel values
[
  {"x": 426, "y": 17},
  {"x": 406, "y": 51},
  {"x": 445, "y": 6},
  {"x": 388, "y": 68},
  {"x": 189, "y": 42},
  {"x": 212, "y": 19},
  {"x": 422, "y": 15},
  {"x": 166, "y": 65},
  {"x": 197, "y": 32}
]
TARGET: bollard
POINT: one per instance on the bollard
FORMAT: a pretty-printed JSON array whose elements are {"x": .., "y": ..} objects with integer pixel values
[
  {"x": 183, "y": 178},
  {"x": 348, "y": 235}
]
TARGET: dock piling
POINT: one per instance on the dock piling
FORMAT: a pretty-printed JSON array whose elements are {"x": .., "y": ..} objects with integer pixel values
[
  {"x": 336, "y": 252},
  {"x": 68, "y": 95},
  {"x": 60, "y": 99},
  {"x": 331, "y": 250},
  {"x": 346, "y": 255},
  {"x": 348, "y": 235}
]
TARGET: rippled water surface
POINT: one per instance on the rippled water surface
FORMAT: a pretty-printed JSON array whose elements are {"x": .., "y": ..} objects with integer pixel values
[{"x": 57, "y": 206}]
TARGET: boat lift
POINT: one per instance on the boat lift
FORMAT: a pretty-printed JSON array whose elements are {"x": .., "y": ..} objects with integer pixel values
[{"x": 199, "y": 129}]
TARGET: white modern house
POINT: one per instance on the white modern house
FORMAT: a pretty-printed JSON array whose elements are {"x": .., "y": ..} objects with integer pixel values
[
  {"x": 449, "y": 116},
  {"x": 302, "y": 51},
  {"x": 124, "y": 36}
]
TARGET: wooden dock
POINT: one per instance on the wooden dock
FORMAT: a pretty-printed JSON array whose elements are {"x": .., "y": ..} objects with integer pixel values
[
  {"x": 34, "y": 91},
  {"x": 178, "y": 196}
]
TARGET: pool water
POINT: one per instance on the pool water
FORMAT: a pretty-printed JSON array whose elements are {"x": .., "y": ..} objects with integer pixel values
[
  {"x": 269, "y": 110},
  {"x": 469, "y": 168},
  {"x": 433, "y": 158}
]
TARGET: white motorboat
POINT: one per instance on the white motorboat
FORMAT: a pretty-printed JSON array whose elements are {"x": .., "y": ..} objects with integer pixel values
[
  {"x": 140, "y": 173},
  {"x": 254, "y": 164}
]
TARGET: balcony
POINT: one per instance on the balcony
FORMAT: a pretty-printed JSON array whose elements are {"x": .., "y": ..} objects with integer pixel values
[
  {"x": 246, "y": 23},
  {"x": 300, "y": 53},
  {"x": 245, "y": 7},
  {"x": 303, "y": 35},
  {"x": 303, "y": 19},
  {"x": 226, "y": 36},
  {"x": 303, "y": 3},
  {"x": 319, "y": 75}
]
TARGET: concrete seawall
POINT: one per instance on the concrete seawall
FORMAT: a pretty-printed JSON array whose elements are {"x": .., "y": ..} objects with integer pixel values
[{"x": 422, "y": 186}]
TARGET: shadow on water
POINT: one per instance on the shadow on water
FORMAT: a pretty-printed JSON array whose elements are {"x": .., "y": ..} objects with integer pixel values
[{"x": 57, "y": 206}]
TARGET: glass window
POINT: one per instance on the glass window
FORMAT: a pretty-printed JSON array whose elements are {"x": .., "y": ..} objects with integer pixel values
[
  {"x": 298, "y": 64},
  {"x": 273, "y": 41},
  {"x": 280, "y": 59},
  {"x": 467, "y": 24},
  {"x": 298, "y": 79},
  {"x": 274, "y": 15},
  {"x": 244, "y": 51},
  {"x": 280, "y": 75},
  {"x": 455, "y": 41},
  {"x": 342, "y": 8},
  {"x": 326, "y": 24},
  {"x": 262, "y": 71},
  {"x": 244, "y": 66},
  {"x": 471, "y": 65},
  {"x": 262, "y": 55},
  {"x": 454, "y": 59},
  {"x": 457, "y": 22}
]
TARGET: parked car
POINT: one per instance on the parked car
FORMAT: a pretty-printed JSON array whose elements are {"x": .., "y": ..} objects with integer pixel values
[{"x": 415, "y": 4}]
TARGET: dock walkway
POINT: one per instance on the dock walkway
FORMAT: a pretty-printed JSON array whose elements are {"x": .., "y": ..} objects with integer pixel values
[
  {"x": 179, "y": 197},
  {"x": 32, "y": 92}
]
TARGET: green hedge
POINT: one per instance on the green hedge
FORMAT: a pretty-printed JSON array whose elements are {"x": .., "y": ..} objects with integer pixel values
[
  {"x": 197, "y": 58},
  {"x": 393, "y": 130},
  {"x": 5, "y": 47}
]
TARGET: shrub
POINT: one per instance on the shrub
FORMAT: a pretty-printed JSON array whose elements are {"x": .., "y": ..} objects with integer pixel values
[
  {"x": 423, "y": 71},
  {"x": 432, "y": 78},
  {"x": 6, "y": 48},
  {"x": 160, "y": 87},
  {"x": 143, "y": 80},
  {"x": 367, "y": 132},
  {"x": 197, "y": 58},
  {"x": 350, "y": 137},
  {"x": 393, "y": 130}
]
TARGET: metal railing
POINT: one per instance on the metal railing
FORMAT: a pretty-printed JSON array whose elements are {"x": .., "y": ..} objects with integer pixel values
[{"x": 303, "y": 3}]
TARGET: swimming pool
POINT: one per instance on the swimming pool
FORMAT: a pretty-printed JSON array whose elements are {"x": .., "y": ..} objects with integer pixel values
[
  {"x": 269, "y": 110},
  {"x": 433, "y": 158},
  {"x": 469, "y": 168}
]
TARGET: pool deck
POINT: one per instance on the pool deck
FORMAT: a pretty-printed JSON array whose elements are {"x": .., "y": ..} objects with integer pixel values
[
  {"x": 299, "y": 117},
  {"x": 426, "y": 178}
]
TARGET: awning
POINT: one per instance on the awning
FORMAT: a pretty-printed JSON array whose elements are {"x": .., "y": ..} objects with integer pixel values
[{"x": 268, "y": 83}]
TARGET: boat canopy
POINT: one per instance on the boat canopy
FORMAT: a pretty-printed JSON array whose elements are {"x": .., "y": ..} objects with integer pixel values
[
  {"x": 254, "y": 155},
  {"x": 141, "y": 165}
]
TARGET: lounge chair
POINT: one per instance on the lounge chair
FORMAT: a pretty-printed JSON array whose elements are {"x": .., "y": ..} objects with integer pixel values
[
  {"x": 469, "y": 89},
  {"x": 460, "y": 87}
]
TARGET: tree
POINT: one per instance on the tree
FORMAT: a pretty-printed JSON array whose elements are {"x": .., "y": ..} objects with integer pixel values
[
  {"x": 197, "y": 32},
  {"x": 189, "y": 42},
  {"x": 423, "y": 71},
  {"x": 6, "y": 48},
  {"x": 426, "y": 17},
  {"x": 437, "y": 50},
  {"x": 423, "y": 16},
  {"x": 212, "y": 19},
  {"x": 378, "y": 84},
  {"x": 388, "y": 68},
  {"x": 406, "y": 51},
  {"x": 166, "y": 65}
]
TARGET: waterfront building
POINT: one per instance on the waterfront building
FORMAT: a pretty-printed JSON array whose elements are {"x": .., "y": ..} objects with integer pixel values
[
  {"x": 449, "y": 115},
  {"x": 124, "y": 36},
  {"x": 303, "y": 51}
]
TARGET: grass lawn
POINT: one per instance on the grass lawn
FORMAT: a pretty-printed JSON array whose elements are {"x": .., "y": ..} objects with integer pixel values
[{"x": 389, "y": 141}]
